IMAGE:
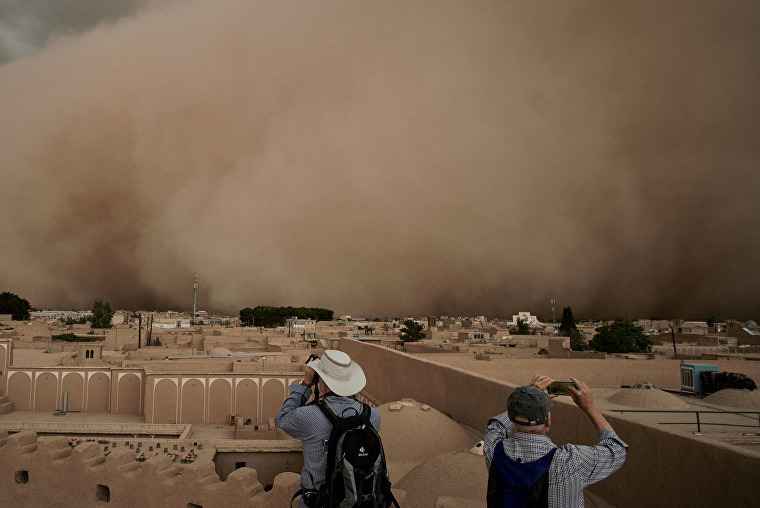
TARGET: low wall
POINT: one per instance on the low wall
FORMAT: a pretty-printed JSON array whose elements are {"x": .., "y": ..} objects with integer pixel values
[
  {"x": 47, "y": 472},
  {"x": 663, "y": 468}
]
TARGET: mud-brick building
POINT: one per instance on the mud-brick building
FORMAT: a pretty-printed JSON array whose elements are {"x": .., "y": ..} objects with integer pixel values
[{"x": 190, "y": 391}]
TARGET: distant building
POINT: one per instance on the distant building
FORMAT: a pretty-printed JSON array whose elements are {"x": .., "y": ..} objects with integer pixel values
[
  {"x": 693, "y": 327},
  {"x": 304, "y": 328},
  {"x": 525, "y": 316}
]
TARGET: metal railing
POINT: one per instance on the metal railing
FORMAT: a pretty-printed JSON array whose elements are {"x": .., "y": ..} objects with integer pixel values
[{"x": 695, "y": 412}]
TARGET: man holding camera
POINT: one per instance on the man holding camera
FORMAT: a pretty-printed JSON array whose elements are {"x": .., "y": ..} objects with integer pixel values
[
  {"x": 570, "y": 469},
  {"x": 338, "y": 379}
]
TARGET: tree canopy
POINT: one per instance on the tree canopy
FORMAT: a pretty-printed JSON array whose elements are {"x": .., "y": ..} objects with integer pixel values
[
  {"x": 14, "y": 305},
  {"x": 101, "y": 314},
  {"x": 271, "y": 317},
  {"x": 521, "y": 328},
  {"x": 621, "y": 337},
  {"x": 411, "y": 332},
  {"x": 568, "y": 323},
  {"x": 567, "y": 328}
]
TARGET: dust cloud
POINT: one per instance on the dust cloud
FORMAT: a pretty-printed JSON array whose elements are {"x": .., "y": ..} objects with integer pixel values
[{"x": 390, "y": 158}]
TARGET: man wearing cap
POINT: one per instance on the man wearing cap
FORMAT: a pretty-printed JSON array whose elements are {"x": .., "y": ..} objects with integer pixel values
[
  {"x": 340, "y": 379},
  {"x": 573, "y": 467}
]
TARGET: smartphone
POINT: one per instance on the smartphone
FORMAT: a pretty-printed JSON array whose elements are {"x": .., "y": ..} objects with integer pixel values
[{"x": 560, "y": 387}]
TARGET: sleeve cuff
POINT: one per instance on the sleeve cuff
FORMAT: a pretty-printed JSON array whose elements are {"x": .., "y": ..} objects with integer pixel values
[{"x": 610, "y": 435}]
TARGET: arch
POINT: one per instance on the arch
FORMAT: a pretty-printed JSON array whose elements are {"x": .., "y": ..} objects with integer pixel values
[
  {"x": 165, "y": 401},
  {"x": 273, "y": 396},
  {"x": 98, "y": 393},
  {"x": 247, "y": 400},
  {"x": 45, "y": 392},
  {"x": 128, "y": 397},
  {"x": 3, "y": 366},
  {"x": 192, "y": 401},
  {"x": 220, "y": 401},
  {"x": 19, "y": 388},
  {"x": 73, "y": 382}
]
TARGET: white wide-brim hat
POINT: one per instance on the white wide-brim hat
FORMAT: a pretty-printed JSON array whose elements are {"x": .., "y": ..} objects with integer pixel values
[{"x": 342, "y": 375}]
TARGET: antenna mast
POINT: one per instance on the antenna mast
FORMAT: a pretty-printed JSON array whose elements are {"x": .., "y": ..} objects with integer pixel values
[
  {"x": 553, "y": 320},
  {"x": 195, "y": 293}
]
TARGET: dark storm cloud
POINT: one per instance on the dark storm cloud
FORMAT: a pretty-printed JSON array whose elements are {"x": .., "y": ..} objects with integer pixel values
[
  {"x": 27, "y": 25},
  {"x": 390, "y": 158}
]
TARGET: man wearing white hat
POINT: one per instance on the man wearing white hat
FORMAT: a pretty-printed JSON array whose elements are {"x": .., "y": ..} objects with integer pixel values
[{"x": 339, "y": 380}]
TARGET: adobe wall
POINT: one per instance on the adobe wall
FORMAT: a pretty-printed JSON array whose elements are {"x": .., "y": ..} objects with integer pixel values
[
  {"x": 203, "y": 398},
  {"x": 90, "y": 389},
  {"x": 613, "y": 372},
  {"x": 266, "y": 463},
  {"x": 6, "y": 360},
  {"x": 47, "y": 472},
  {"x": 663, "y": 468}
]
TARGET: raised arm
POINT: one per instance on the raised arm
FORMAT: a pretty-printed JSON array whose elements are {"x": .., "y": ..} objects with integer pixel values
[{"x": 581, "y": 395}]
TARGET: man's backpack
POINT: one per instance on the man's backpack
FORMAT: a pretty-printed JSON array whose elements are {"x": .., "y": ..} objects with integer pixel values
[
  {"x": 516, "y": 484},
  {"x": 356, "y": 472}
]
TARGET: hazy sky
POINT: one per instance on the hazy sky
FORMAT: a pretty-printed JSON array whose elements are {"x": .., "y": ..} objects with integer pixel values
[{"x": 383, "y": 158}]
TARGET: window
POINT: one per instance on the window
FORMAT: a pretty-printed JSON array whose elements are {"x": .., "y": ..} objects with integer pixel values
[
  {"x": 238, "y": 465},
  {"x": 22, "y": 477},
  {"x": 103, "y": 493}
]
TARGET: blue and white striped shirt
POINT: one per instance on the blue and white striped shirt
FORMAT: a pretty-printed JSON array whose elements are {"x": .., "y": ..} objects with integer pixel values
[
  {"x": 310, "y": 425},
  {"x": 573, "y": 467}
]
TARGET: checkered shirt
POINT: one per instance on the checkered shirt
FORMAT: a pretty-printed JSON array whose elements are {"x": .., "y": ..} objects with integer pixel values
[
  {"x": 573, "y": 467},
  {"x": 311, "y": 426}
]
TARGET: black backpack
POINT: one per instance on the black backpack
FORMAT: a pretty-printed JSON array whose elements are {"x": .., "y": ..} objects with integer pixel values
[
  {"x": 514, "y": 484},
  {"x": 356, "y": 472}
]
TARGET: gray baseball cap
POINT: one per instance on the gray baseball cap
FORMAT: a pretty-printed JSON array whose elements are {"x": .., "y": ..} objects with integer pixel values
[{"x": 530, "y": 403}]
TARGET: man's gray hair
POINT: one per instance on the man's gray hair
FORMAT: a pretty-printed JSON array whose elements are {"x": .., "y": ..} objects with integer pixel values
[{"x": 530, "y": 429}]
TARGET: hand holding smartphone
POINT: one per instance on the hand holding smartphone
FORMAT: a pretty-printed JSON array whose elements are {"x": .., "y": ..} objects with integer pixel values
[{"x": 559, "y": 387}]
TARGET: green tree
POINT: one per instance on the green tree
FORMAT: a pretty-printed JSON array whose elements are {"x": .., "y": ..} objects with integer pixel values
[
  {"x": 522, "y": 328},
  {"x": 621, "y": 337},
  {"x": 567, "y": 328},
  {"x": 411, "y": 332},
  {"x": 246, "y": 317},
  {"x": 14, "y": 305},
  {"x": 711, "y": 321},
  {"x": 264, "y": 315},
  {"x": 568, "y": 323},
  {"x": 101, "y": 314}
]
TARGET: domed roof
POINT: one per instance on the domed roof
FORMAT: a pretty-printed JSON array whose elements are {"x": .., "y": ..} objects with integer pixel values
[
  {"x": 647, "y": 398},
  {"x": 413, "y": 432},
  {"x": 731, "y": 397},
  {"x": 460, "y": 475}
]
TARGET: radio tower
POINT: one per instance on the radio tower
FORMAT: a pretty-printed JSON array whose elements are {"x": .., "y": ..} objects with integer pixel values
[
  {"x": 195, "y": 293},
  {"x": 553, "y": 321}
]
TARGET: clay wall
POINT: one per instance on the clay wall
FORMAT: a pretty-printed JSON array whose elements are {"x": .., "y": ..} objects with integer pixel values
[
  {"x": 267, "y": 464},
  {"x": 203, "y": 398},
  {"x": 6, "y": 360},
  {"x": 46, "y": 471},
  {"x": 663, "y": 468},
  {"x": 120, "y": 336},
  {"x": 90, "y": 389}
]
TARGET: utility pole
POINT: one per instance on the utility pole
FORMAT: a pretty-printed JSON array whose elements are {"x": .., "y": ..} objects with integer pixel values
[
  {"x": 553, "y": 320},
  {"x": 195, "y": 292}
]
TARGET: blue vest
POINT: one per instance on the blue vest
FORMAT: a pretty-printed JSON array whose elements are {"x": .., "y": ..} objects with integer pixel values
[{"x": 513, "y": 484}]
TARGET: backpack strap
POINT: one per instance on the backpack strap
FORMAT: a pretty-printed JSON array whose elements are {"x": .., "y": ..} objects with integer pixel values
[
  {"x": 365, "y": 415},
  {"x": 328, "y": 411}
]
